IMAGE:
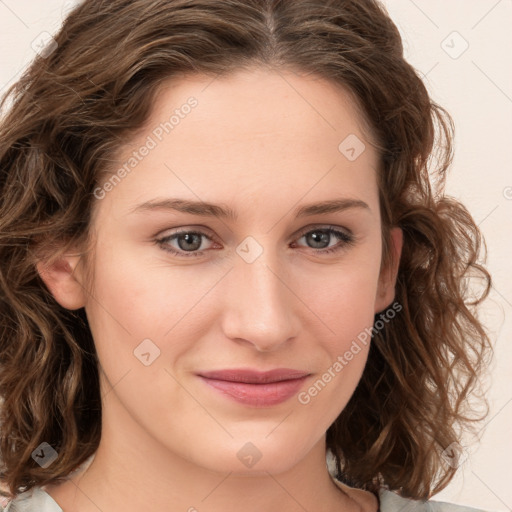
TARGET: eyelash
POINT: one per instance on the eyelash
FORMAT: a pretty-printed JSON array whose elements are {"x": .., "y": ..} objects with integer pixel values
[{"x": 347, "y": 240}]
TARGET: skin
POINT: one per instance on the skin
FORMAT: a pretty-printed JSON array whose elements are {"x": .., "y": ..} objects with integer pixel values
[{"x": 262, "y": 143}]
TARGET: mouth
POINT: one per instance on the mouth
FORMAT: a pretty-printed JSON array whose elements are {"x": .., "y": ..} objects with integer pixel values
[{"x": 255, "y": 388}]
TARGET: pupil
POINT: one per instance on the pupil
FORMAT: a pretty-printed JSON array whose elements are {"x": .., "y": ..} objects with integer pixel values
[
  {"x": 189, "y": 238},
  {"x": 318, "y": 235}
]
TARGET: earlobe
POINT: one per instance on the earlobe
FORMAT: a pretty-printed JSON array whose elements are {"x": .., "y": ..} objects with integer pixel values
[
  {"x": 62, "y": 280},
  {"x": 387, "y": 279}
]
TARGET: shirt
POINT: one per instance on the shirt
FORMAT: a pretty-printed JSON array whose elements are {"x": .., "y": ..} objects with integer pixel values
[{"x": 37, "y": 500}]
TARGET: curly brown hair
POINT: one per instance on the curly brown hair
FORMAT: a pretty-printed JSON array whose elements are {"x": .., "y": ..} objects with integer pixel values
[{"x": 71, "y": 111}]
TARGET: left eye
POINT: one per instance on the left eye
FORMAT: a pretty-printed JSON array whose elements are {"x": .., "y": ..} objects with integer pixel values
[
  {"x": 190, "y": 241},
  {"x": 321, "y": 235}
]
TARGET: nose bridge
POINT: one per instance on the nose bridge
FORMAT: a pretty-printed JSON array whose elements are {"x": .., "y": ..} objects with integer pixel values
[{"x": 260, "y": 307}]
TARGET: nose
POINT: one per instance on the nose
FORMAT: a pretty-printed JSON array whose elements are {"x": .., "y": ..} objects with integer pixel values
[{"x": 260, "y": 308}]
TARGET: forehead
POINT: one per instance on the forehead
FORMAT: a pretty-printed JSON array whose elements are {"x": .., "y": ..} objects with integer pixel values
[
  {"x": 257, "y": 102},
  {"x": 245, "y": 135}
]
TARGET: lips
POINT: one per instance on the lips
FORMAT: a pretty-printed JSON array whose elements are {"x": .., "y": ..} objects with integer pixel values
[
  {"x": 254, "y": 376},
  {"x": 255, "y": 388}
]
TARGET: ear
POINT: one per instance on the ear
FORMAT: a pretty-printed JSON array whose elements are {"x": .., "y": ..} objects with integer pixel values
[
  {"x": 63, "y": 280},
  {"x": 387, "y": 279}
]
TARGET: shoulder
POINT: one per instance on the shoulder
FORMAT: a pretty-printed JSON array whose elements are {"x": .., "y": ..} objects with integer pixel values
[
  {"x": 390, "y": 502},
  {"x": 34, "y": 500}
]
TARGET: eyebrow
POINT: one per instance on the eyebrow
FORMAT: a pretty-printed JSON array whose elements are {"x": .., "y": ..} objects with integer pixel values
[{"x": 206, "y": 209}]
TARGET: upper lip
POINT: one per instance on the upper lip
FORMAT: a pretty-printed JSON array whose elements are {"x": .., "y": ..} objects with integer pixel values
[{"x": 254, "y": 376}]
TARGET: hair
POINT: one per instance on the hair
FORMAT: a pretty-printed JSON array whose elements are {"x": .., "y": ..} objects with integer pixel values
[{"x": 75, "y": 106}]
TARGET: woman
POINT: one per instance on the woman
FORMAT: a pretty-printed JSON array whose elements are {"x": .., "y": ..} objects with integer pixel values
[{"x": 227, "y": 280}]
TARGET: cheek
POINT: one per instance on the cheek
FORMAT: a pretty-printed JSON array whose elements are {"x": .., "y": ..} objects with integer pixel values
[
  {"x": 138, "y": 299},
  {"x": 345, "y": 307},
  {"x": 141, "y": 294},
  {"x": 342, "y": 297}
]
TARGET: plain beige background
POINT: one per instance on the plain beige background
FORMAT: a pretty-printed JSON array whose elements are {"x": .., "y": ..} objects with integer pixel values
[{"x": 462, "y": 48}]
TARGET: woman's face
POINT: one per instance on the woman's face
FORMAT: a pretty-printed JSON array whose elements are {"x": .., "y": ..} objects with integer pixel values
[{"x": 255, "y": 289}]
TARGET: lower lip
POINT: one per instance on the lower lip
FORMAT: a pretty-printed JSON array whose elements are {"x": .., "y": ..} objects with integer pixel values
[{"x": 261, "y": 395}]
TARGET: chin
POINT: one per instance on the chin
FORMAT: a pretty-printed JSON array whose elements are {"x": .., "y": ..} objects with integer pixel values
[{"x": 246, "y": 457}]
